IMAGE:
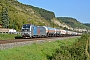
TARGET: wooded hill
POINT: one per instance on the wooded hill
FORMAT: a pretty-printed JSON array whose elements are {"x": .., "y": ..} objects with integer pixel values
[
  {"x": 73, "y": 22},
  {"x": 87, "y": 24},
  {"x": 18, "y": 14}
]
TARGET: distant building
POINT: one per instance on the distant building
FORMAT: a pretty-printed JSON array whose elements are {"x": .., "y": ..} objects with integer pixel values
[{"x": 4, "y": 30}]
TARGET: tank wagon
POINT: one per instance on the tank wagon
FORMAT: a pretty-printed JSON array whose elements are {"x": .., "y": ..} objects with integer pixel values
[
  {"x": 57, "y": 32},
  {"x": 68, "y": 33},
  {"x": 74, "y": 34},
  {"x": 29, "y": 31},
  {"x": 63, "y": 33},
  {"x": 49, "y": 31}
]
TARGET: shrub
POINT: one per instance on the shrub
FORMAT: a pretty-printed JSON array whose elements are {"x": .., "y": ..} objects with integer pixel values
[{"x": 74, "y": 52}]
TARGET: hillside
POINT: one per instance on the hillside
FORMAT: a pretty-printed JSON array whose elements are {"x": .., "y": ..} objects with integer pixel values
[
  {"x": 72, "y": 22},
  {"x": 87, "y": 24},
  {"x": 20, "y": 14}
]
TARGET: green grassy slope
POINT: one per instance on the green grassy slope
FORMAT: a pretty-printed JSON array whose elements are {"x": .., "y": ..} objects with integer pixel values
[
  {"x": 78, "y": 51},
  {"x": 35, "y": 51}
]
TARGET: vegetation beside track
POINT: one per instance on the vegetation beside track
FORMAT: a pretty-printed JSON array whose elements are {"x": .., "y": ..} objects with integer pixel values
[
  {"x": 79, "y": 51},
  {"x": 8, "y": 36},
  {"x": 68, "y": 49},
  {"x": 35, "y": 51}
]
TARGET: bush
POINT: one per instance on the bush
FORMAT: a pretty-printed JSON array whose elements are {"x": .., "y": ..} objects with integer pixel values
[{"x": 74, "y": 52}]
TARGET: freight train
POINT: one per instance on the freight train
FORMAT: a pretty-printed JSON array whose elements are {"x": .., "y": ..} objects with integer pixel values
[{"x": 30, "y": 31}]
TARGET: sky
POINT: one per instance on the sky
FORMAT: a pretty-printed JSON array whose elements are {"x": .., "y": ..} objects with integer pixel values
[{"x": 78, "y": 9}]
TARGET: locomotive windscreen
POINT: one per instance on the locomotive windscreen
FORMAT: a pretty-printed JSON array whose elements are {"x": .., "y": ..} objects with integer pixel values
[{"x": 26, "y": 28}]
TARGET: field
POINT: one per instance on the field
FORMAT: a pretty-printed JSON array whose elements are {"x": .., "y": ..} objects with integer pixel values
[{"x": 35, "y": 51}]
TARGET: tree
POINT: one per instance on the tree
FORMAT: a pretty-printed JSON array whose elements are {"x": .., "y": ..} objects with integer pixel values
[{"x": 5, "y": 18}]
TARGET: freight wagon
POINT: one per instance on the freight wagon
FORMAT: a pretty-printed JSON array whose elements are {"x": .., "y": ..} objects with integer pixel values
[
  {"x": 29, "y": 31},
  {"x": 49, "y": 31}
]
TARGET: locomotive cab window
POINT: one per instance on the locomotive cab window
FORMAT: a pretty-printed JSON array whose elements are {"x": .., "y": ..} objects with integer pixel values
[{"x": 26, "y": 26}]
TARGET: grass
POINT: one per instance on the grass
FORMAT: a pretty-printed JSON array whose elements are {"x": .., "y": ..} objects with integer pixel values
[
  {"x": 7, "y": 36},
  {"x": 35, "y": 51},
  {"x": 89, "y": 46},
  {"x": 78, "y": 51}
]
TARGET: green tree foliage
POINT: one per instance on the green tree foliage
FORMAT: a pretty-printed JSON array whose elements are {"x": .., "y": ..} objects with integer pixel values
[
  {"x": 48, "y": 15},
  {"x": 5, "y": 18},
  {"x": 87, "y": 24}
]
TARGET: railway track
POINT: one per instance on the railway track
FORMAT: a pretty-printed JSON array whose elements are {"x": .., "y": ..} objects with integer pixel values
[
  {"x": 19, "y": 40},
  {"x": 6, "y": 44},
  {"x": 23, "y": 40},
  {"x": 34, "y": 39}
]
